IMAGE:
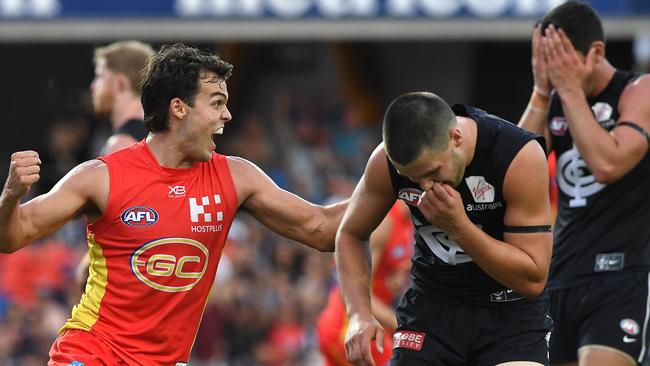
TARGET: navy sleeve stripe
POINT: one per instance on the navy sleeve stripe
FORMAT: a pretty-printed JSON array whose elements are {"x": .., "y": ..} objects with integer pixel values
[
  {"x": 636, "y": 127},
  {"x": 528, "y": 229}
]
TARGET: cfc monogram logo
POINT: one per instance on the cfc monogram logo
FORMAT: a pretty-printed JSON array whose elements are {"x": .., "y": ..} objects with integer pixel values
[{"x": 574, "y": 178}]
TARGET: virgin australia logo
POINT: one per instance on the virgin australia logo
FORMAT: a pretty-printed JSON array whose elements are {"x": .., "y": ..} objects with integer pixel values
[
  {"x": 603, "y": 113},
  {"x": 482, "y": 191}
]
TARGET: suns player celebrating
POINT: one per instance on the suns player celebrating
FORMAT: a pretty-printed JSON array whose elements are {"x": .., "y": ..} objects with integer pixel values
[{"x": 159, "y": 213}]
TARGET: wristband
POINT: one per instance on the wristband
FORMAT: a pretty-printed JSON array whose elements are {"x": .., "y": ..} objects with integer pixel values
[
  {"x": 537, "y": 109},
  {"x": 538, "y": 102},
  {"x": 539, "y": 91}
]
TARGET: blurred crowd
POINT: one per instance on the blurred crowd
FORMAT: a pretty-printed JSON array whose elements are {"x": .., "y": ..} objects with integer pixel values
[{"x": 268, "y": 291}]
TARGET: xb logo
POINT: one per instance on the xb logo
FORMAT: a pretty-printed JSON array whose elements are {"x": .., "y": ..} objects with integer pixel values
[
  {"x": 176, "y": 191},
  {"x": 179, "y": 190},
  {"x": 170, "y": 264}
]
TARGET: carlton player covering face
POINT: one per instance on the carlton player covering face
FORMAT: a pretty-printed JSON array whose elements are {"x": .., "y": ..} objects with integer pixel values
[
  {"x": 445, "y": 166},
  {"x": 596, "y": 118},
  {"x": 477, "y": 189}
]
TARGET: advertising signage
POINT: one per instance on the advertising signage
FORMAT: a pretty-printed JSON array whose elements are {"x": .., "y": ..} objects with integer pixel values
[
  {"x": 235, "y": 20},
  {"x": 300, "y": 9}
]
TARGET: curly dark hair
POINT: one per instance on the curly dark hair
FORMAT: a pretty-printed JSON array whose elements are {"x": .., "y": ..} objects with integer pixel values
[{"x": 174, "y": 72}]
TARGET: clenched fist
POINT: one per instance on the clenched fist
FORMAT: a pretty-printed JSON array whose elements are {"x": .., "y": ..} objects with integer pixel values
[{"x": 23, "y": 172}]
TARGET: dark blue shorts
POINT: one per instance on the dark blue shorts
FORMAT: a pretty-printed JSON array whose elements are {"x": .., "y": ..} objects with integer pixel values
[
  {"x": 433, "y": 332},
  {"x": 611, "y": 310}
]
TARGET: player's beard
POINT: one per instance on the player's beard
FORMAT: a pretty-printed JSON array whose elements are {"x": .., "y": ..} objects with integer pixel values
[
  {"x": 458, "y": 169},
  {"x": 103, "y": 104}
]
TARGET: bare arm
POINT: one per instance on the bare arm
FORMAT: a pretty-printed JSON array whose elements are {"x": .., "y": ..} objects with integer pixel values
[
  {"x": 535, "y": 116},
  {"x": 371, "y": 200},
  {"x": 282, "y": 211},
  {"x": 22, "y": 224},
  {"x": 608, "y": 155},
  {"x": 520, "y": 261},
  {"x": 378, "y": 241},
  {"x": 522, "y": 264}
]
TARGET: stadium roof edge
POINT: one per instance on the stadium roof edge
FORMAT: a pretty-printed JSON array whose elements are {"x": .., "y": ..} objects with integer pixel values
[{"x": 296, "y": 30}]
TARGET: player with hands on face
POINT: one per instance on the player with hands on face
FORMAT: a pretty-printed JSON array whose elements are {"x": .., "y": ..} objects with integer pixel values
[
  {"x": 595, "y": 118},
  {"x": 477, "y": 189}
]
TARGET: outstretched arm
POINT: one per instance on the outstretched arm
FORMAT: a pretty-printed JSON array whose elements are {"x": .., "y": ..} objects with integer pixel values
[
  {"x": 371, "y": 200},
  {"x": 282, "y": 211},
  {"x": 521, "y": 260},
  {"x": 22, "y": 224}
]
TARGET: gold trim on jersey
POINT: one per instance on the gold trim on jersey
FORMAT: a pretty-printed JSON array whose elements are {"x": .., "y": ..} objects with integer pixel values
[{"x": 86, "y": 313}]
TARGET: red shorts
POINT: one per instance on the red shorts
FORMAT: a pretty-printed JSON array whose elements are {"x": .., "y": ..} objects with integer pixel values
[{"x": 81, "y": 348}]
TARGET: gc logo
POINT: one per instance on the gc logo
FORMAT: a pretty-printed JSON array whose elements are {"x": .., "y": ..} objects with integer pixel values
[{"x": 170, "y": 264}]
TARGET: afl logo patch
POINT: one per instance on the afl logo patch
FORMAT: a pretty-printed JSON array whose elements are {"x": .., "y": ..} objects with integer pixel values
[
  {"x": 602, "y": 112},
  {"x": 139, "y": 216},
  {"x": 558, "y": 126},
  {"x": 170, "y": 264},
  {"x": 410, "y": 195},
  {"x": 630, "y": 326}
]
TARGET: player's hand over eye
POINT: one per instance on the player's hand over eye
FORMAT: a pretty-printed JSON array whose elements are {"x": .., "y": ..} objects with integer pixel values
[
  {"x": 566, "y": 68},
  {"x": 539, "y": 64}
]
